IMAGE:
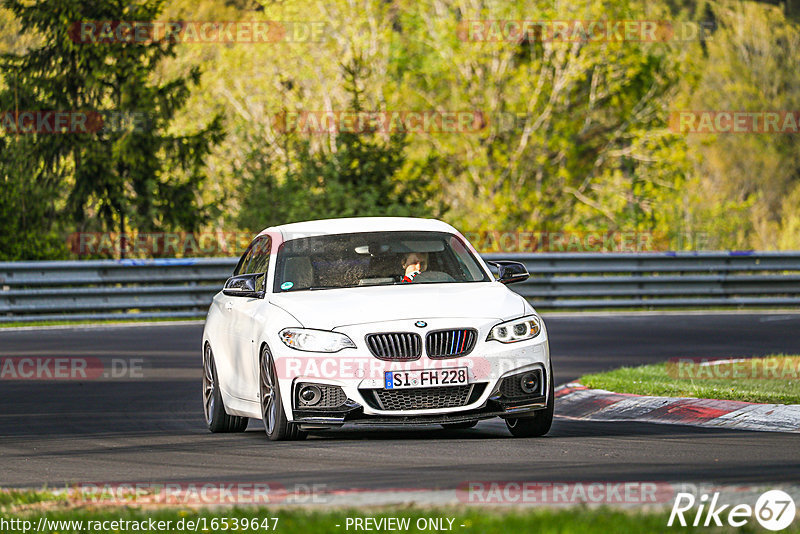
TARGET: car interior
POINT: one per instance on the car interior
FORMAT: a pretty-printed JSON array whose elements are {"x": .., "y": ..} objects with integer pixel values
[{"x": 325, "y": 271}]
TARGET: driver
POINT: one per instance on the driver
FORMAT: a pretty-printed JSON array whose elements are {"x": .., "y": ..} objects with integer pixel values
[{"x": 413, "y": 264}]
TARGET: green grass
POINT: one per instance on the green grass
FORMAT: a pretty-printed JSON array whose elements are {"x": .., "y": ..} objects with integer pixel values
[
  {"x": 670, "y": 380},
  {"x": 31, "y": 505},
  {"x": 14, "y": 497},
  {"x": 475, "y": 520}
]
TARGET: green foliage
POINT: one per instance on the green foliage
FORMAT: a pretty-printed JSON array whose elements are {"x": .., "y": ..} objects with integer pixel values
[
  {"x": 576, "y": 135},
  {"x": 16, "y": 497},
  {"x": 587, "y": 144},
  {"x": 363, "y": 175},
  {"x": 25, "y": 209},
  {"x": 746, "y": 181},
  {"x": 359, "y": 179},
  {"x": 134, "y": 173}
]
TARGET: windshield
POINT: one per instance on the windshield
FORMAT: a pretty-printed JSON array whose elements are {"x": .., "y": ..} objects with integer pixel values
[{"x": 373, "y": 259}]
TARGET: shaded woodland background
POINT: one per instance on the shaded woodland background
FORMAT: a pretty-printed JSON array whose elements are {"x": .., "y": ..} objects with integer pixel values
[{"x": 590, "y": 148}]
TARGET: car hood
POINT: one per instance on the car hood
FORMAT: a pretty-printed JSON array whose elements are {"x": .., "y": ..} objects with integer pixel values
[{"x": 330, "y": 308}]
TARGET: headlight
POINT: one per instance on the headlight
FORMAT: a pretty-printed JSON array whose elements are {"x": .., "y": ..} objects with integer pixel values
[
  {"x": 315, "y": 340},
  {"x": 516, "y": 330}
]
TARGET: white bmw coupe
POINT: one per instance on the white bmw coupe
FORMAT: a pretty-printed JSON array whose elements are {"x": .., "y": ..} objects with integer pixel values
[{"x": 373, "y": 321}]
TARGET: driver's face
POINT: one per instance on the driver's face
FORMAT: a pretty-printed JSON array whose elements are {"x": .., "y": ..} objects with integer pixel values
[{"x": 415, "y": 261}]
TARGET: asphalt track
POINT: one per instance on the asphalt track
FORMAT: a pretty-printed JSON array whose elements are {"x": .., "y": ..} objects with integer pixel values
[{"x": 150, "y": 429}]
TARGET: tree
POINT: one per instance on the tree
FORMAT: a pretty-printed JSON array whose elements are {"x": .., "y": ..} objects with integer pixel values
[
  {"x": 576, "y": 137},
  {"x": 587, "y": 148},
  {"x": 134, "y": 171},
  {"x": 366, "y": 174},
  {"x": 26, "y": 211},
  {"x": 749, "y": 182}
]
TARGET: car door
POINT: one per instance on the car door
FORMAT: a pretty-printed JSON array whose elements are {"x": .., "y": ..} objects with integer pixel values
[
  {"x": 246, "y": 320},
  {"x": 227, "y": 349}
]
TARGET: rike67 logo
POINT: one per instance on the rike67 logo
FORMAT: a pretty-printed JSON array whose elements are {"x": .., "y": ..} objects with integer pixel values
[{"x": 774, "y": 510}]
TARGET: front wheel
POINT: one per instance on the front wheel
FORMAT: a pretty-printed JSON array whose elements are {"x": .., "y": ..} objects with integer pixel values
[
  {"x": 217, "y": 418},
  {"x": 276, "y": 424},
  {"x": 539, "y": 424}
]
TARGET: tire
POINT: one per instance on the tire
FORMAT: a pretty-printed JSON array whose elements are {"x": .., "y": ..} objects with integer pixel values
[
  {"x": 460, "y": 426},
  {"x": 276, "y": 425},
  {"x": 217, "y": 419},
  {"x": 540, "y": 423}
]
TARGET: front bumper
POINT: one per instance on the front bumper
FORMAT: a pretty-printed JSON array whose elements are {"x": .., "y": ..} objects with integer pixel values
[
  {"x": 503, "y": 400},
  {"x": 359, "y": 376}
]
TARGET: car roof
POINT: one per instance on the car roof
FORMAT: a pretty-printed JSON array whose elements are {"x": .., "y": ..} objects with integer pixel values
[{"x": 360, "y": 224}]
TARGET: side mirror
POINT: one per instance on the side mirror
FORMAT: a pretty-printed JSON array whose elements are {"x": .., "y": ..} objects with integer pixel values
[
  {"x": 510, "y": 271},
  {"x": 244, "y": 285}
]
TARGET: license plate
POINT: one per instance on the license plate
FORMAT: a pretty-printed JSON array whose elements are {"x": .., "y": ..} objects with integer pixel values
[{"x": 421, "y": 378}]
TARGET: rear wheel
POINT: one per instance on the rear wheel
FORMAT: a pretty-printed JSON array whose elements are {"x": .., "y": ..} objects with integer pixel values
[
  {"x": 540, "y": 423},
  {"x": 217, "y": 419},
  {"x": 276, "y": 424}
]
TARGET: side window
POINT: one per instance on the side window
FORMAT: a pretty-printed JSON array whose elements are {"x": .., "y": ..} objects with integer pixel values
[
  {"x": 261, "y": 251},
  {"x": 469, "y": 269},
  {"x": 241, "y": 267}
]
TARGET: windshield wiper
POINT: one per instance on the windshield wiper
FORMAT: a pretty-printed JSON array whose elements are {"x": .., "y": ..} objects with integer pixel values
[{"x": 314, "y": 288}]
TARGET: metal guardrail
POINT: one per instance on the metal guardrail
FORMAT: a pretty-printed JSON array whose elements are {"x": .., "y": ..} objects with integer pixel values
[
  {"x": 660, "y": 279},
  {"x": 110, "y": 289},
  {"x": 175, "y": 288}
]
